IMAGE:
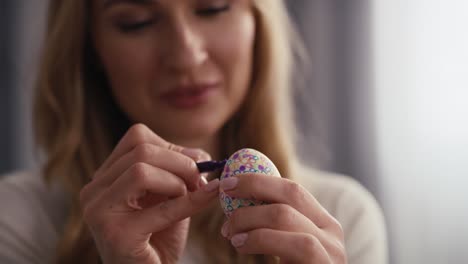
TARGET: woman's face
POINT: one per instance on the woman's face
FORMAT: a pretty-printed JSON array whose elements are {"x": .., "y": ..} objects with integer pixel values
[{"x": 182, "y": 67}]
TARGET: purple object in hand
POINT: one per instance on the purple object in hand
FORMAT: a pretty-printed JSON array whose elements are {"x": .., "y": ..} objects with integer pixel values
[{"x": 209, "y": 166}]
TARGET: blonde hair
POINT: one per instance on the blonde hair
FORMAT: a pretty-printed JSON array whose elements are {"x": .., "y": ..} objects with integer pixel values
[{"x": 77, "y": 123}]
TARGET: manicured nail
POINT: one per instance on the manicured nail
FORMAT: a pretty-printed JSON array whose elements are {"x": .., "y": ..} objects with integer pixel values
[
  {"x": 203, "y": 179},
  {"x": 238, "y": 240},
  {"x": 225, "y": 229},
  {"x": 229, "y": 183},
  {"x": 202, "y": 182},
  {"x": 211, "y": 186}
]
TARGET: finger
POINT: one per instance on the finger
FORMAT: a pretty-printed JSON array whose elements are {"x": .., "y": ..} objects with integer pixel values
[
  {"x": 140, "y": 134},
  {"x": 277, "y": 190},
  {"x": 202, "y": 156},
  {"x": 141, "y": 180},
  {"x": 271, "y": 216},
  {"x": 174, "y": 162},
  {"x": 277, "y": 217},
  {"x": 171, "y": 211},
  {"x": 289, "y": 246},
  {"x": 196, "y": 154},
  {"x": 136, "y": 134}
]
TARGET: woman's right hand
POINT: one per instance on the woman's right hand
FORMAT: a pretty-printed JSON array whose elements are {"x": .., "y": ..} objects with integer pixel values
[{"x": 139, "y": 202}]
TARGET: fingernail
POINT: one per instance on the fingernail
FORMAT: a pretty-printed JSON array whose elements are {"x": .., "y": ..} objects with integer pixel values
[
  {"x": 203, "y": 179},
  {"x": 229, "y": 183},
  {"x": 225, "y": 229},
  {"x": 211, "y": 186},
  {"x": 193, "y": 153},
  {"x": 238, "y": 240}
]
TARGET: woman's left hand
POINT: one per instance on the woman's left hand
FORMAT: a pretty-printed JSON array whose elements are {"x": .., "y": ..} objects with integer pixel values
[{"x": 293, "y": 226}]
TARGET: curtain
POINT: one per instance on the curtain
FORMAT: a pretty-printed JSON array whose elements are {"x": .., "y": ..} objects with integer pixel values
[{"x": 7, "y": 146}]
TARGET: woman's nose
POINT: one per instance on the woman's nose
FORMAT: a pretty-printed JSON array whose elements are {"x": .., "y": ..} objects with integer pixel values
[{"x": 185, "y": 47}]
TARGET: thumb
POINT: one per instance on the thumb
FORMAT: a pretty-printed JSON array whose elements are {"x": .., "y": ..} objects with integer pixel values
[
  {"x": 198, "y": 155},
  {"x": 166, "y": 213}
]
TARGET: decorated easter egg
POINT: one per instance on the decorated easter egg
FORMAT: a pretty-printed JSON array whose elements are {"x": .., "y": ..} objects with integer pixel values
[{"x": 241, "y": 162}]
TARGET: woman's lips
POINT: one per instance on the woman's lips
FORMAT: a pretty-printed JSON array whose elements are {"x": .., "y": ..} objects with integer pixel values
[{"x": 189, "y": 96}]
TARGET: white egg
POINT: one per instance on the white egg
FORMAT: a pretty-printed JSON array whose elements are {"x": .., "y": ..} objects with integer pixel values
[{"x": 241, "y": 162}]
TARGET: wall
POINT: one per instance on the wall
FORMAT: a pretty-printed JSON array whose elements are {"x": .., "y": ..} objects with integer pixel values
[{"x": 421, "y": 89}]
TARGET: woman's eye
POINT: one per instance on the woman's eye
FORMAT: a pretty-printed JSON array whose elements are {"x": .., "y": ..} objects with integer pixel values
[
  {"x": 134, "y": 26},
  {"x": 211, "y": 11}
]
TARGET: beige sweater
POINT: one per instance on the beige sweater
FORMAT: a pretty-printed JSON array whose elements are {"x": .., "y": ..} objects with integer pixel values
[{"x": 32, "y": 216}]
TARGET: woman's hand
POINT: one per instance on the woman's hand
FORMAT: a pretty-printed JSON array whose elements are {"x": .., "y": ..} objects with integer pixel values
[
  {"x": 294, "y": 226},
  {"x": 139, "y": 201}
]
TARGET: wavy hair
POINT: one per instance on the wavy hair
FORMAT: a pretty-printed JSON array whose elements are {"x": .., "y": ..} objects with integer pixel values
[{"x": 77, "y": 123}]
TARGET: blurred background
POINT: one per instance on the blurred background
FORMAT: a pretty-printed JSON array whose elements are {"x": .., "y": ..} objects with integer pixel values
[{"x": 389, "y": 83}]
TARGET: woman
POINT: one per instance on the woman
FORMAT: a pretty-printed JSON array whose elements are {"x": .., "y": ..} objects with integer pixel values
[{"x": 130, "y": 95}]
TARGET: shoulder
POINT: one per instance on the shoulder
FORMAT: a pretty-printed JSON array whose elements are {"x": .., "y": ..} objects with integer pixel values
[
  {"x": 354, "y": 207},
  {"x": 27, "y": 192},
  {"x": 32, "y": 215}
]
